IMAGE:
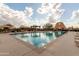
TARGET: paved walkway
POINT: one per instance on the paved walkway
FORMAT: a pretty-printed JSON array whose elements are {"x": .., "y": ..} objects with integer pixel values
[{"x": 63, "y": 46}]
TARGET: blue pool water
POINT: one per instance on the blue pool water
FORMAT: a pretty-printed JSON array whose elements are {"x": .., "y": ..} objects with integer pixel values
[{"x": 39, "y": 39}]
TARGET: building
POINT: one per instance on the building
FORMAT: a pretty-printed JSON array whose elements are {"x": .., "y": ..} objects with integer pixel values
[
  {"x": 60, "y": 25},
  {"x": 8, "y": 26}
]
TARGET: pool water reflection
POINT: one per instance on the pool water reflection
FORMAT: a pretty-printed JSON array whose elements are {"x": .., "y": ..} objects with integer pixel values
[{"x": 39, "y": 39}]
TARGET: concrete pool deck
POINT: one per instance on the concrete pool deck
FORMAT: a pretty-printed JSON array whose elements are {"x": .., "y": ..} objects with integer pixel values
[{"x": 63, "y": 46}]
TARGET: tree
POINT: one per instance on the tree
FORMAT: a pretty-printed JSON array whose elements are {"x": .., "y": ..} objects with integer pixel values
[{"x": 48, "y": 26}]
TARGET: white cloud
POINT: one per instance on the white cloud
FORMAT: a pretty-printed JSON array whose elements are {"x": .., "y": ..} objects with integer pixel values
[
  {"x": 75, "y": 14},
  {"x": 74, "y": 19},
  {"x": 42, "y": 10},
  {"x": 15, "y": 17},
  {"x": 53, "y": 10},
  {"x": 40, "y": 22},
  {"x": 28, "y": 11}
]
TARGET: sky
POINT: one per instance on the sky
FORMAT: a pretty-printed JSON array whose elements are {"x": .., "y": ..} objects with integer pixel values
[
  {"x": 41, "y": 13},
  {"x": 69, "y": 7}
]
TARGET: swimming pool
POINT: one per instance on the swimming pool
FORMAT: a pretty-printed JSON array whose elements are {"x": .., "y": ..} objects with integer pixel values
[{"x": 39, "y": 39}]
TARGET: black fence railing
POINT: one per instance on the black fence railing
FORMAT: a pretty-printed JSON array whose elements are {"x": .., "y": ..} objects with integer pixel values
[{"x": 35, "y": 29}]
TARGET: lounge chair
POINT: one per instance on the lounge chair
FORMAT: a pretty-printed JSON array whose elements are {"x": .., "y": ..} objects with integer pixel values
[
  {"x": 77, "y": 43},
  {"x": 76, "y": 35},
  {"x": 76, "y": 38}
]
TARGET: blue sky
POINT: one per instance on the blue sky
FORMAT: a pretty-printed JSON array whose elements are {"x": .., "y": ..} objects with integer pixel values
[
  {"x": 21, "y": 7},
  {"x": 69, "y": 7}
]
